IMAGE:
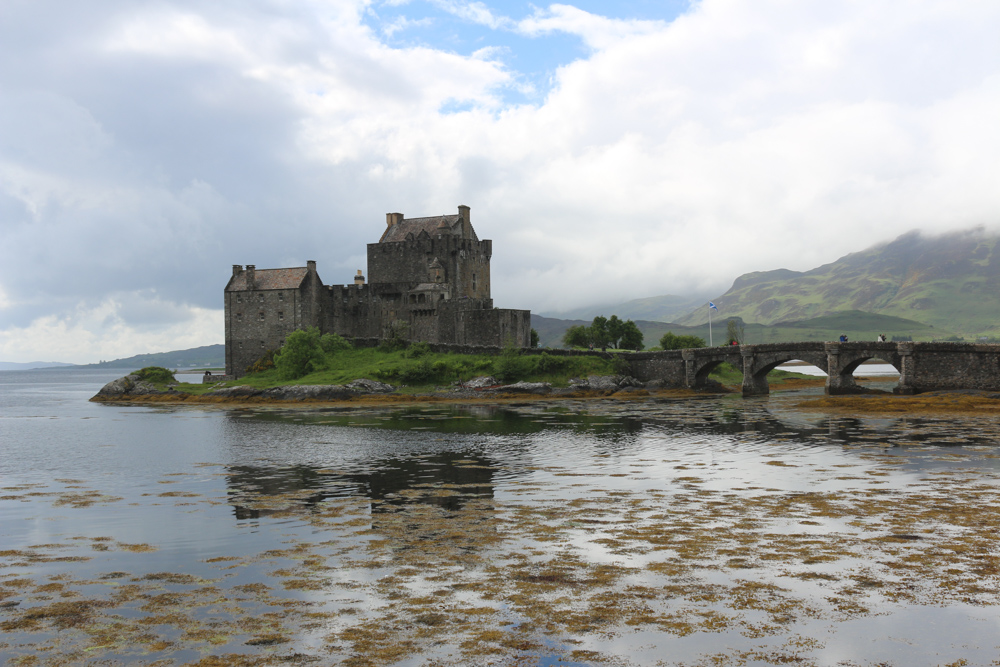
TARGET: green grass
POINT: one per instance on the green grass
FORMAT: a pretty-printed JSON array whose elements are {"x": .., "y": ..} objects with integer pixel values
[{"x": 430, "y": 369}]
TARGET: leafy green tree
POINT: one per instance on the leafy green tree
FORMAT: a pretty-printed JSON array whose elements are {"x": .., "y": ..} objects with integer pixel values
[
  {"x": 576, "y": 336},
  {"x": 599, "y": 334},
  {"x": 534, "y": 339},
  {"x": 631, "y": 336},
  {"x": 670, "y": 341},
  {"x": 300, "y": 355},
  {"x": 615, "y": 331}
]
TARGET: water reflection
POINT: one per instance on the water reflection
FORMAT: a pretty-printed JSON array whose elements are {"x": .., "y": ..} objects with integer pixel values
[
  {"x": 677, "y": 531},
  {"x": 255, "y": 490}
]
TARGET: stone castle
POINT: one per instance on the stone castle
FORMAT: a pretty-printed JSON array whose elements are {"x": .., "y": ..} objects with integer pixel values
[{"x": 428, "y": 280}]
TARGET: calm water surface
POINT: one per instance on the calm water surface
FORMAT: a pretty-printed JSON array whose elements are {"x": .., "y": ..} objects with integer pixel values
[{"x": 652, "y": 531}]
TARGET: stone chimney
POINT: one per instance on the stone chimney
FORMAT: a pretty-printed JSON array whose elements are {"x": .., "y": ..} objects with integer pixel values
[
  {"x": 465, "y": 214},
  {"x": 393, "y": 219},
  {"x": 251, "y": 276},
  {"x": 311, "y": 265},
  {"x": 237, "y": 269},
  {"x": 359, "y": 279}
]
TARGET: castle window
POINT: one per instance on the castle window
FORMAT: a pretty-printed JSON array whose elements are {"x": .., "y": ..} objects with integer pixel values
[
  {"x": 262, "y": 316},
  {"x": 239, "y": 317},
  {"x": 281, "y": 315},
  {"x": 241, "y": 345},
  {"x": 239, "y": 298},
  {"x": 262, "y": 345},
  {"x": 473, "y": 282},
  {"x": 260, "y": 296},
  {"x": 281, "y": 296}
]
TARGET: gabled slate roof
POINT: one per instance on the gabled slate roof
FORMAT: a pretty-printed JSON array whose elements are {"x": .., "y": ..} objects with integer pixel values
[
  {"x": 266, "y": 279},
  {"x": 432, "y": 226}
]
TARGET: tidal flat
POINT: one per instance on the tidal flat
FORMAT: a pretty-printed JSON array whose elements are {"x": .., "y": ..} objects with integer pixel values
[{"x": 663, "y": 531}]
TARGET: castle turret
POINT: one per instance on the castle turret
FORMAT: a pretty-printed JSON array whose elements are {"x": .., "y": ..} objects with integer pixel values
[{"x": 359, "y": 279}]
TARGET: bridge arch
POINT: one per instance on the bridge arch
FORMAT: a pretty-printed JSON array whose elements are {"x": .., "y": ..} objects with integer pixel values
[
  {"x": 845, "y": 358},
  {"x": 757, "y": 363}
]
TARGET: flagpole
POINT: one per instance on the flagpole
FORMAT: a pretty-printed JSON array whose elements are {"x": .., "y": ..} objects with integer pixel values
[{"x": 710, "y": 343}]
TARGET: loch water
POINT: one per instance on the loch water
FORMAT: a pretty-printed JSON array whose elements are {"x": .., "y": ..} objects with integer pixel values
[{"x": 648, "y": 531}]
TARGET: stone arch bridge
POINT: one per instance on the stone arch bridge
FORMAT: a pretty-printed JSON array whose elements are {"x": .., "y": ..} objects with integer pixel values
[{"x": 921, "y": 366}]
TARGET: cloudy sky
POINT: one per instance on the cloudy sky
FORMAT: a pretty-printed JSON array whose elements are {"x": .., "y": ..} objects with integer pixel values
[{"x": 612, "y": 150}]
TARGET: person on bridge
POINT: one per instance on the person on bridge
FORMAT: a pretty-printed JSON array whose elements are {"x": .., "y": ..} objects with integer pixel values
[{"x": 843, "y": 338}]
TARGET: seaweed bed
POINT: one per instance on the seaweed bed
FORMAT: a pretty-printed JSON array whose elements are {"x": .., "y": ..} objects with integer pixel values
[{"x": 560, "y": 568}]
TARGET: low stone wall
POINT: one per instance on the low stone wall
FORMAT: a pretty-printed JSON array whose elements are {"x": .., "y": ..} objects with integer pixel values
[
  {"x": 490, "y": 350},
  {"x": 931, "y": 366},
  {"x": 207, "y": 379}
]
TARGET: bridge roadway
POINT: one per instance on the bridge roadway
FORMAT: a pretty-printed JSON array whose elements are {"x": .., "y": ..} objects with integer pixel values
[{"x": 921, "y": 366}]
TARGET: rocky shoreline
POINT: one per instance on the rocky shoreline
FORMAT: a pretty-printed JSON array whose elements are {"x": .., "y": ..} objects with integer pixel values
[{"x": 131, "y": 388}]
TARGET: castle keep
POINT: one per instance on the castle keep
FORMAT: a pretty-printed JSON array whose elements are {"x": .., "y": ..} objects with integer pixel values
[{"x": 428, "y": 280}]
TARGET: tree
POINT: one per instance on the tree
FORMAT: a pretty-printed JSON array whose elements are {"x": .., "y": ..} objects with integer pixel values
[
  {"x": 300, "y": 355},
  {"x": 615, "y": 331},
  {"x": 734, "y": 332},
  {"x": 670, "y": 341},
  {"x": 534, "y": 338},
  {"x": 599, "y": 334},
  {"x": 576, "y": 336},
  {"x": 631, "y": 336}
]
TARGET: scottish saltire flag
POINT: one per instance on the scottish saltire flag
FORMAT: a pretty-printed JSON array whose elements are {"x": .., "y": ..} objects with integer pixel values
[{"x": 712, "y": 306}]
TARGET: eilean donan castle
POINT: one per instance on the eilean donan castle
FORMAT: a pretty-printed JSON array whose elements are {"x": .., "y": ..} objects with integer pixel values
[{"x": 428, "y": 280}]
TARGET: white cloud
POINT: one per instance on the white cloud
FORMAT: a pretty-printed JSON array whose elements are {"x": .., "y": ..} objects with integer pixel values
[
  {"x": 175, "y": 139},
  {"x": 87, "y": 334},
  {"x": 596, "y": 31}
]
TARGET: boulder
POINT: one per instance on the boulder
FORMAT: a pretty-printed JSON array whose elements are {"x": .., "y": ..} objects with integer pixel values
[
  {"x": 311, "y": 392},
  {"x": 130, "y": 385},
  {"x": 482, "y": 382},
  {"x": 242, "y": 391},
  {"x": 611, "y": 382},
  {"x": 366, "y": 386}
]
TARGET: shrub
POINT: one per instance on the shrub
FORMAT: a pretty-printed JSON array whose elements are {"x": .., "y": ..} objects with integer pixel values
[
  {"x": 332, "y": 343},
  {"x": 417, "y": 350},
  {"x": 670, "y": 341},
  {"x": 509, "y": 366},
  {"x": 155, "y": 374},
  {"x": 300, "y": 355},
  {"x": 546, "y": 363},
  {"x": 266, "y": 362}
]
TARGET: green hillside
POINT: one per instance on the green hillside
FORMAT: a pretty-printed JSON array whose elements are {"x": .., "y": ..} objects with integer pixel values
[
  {"x": 207, "y": 356},
  {"x": 665, "y": 308},
  {"x": 950, "y": 282},
  {"x": 856, "y": 325}
]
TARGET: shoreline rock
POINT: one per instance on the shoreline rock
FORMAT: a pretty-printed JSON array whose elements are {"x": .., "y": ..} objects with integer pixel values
[{"x": 130, "y": 387}]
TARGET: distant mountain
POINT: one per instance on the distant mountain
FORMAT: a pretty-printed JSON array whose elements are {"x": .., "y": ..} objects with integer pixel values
[
  {"x": 665, "y": 308},
  {"x": 207, "y": 356},
  {"x": 28, "y": 365},
  {"x": 950, "y": 282}
]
